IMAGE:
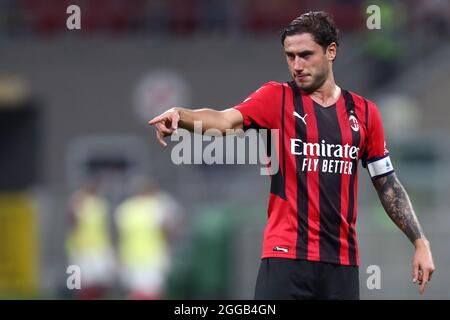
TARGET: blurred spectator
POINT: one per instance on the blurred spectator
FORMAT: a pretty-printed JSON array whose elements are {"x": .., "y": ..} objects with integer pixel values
[
  {"x": 178, "y": 17},
  {"x": 157, "y": 16},
  {"x": 184, "y": 16},
  {"x": 215, "y": 15},
  {"x": 146, "y": 223},
  {"x": 346, "y": 13},
  {"x": 49, "y": 16},
  {"x": 89, "y": 243},
  {"x": 432, "y": 18},
  {"x": 383, "y": 48},
  {"x": 269, "y": 15}
]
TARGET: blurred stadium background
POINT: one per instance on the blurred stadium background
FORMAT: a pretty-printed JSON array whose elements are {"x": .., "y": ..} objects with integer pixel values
[{"x": 76, "y": 102}]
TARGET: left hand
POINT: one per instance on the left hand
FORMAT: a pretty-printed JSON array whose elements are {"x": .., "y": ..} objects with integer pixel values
[{"x": 423, "y": 265}]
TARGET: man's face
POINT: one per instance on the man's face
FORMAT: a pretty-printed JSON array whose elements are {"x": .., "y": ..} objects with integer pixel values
[{"x": 308, "y": 63}]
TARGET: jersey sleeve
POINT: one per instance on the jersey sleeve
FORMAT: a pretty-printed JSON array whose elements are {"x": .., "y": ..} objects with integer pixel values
[
  {"x": 376, "y": 157},
  {"x": 259, "y": 109}
]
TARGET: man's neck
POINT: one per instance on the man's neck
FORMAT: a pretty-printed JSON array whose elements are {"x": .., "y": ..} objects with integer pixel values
[{"x": 328, "y": 94}]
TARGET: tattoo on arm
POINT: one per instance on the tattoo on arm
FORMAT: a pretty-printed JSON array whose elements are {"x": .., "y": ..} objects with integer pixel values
[{"x": 396, "y": 202}]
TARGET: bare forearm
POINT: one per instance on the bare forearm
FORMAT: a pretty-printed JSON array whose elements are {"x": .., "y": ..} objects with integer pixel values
[
  {"x": 168, "y": 122},
  {"x": 209, "y": 119},
  {"x": 398, "y": 206}
]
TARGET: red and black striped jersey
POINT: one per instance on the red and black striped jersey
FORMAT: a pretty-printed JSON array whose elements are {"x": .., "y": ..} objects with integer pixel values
[{"x": 312, "y": 206}]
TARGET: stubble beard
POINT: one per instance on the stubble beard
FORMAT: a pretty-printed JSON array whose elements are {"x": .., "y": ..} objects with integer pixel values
[{"x": 317, "y": 81}]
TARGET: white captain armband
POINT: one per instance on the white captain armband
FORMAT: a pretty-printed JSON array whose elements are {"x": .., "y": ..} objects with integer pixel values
[{"x": 380, "y": 167}]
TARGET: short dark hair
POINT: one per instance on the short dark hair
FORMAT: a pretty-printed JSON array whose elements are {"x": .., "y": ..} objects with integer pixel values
[{"x": 318, "y": 23}]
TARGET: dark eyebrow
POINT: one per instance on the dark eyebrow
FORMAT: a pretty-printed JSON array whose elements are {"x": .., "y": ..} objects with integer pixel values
[{"x": 301, "y": 53}]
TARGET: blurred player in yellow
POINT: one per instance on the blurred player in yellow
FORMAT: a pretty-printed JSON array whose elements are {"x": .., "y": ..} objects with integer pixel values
[
  {"x": 89, "y": 242},
  {"x": 145, "y": 223}
]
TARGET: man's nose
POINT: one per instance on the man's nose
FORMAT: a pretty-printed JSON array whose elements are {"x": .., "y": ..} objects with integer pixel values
[{"x": 298, "y": 64}]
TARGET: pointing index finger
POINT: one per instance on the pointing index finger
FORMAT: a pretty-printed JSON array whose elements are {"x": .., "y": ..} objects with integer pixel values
[{"x": 155, "y": 120}]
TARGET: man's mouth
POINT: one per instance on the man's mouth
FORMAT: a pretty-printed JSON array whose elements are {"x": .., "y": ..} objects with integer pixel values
[{"x": 301, "y": 76}]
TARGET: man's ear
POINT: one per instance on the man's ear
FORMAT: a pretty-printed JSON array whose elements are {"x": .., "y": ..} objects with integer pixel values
[{"x": 332, "y": 51}]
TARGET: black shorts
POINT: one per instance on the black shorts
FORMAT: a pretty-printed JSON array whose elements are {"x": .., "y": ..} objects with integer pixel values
[{"x": 288, "y": 279}]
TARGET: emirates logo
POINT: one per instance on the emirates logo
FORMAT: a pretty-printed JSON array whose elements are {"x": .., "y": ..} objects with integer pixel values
[{"x": 353, "y": 123}]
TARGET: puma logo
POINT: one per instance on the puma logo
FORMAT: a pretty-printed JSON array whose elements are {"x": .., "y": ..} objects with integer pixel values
[
  {"x": 300, "y": 117},
  {"x": 277, "y": 248}
]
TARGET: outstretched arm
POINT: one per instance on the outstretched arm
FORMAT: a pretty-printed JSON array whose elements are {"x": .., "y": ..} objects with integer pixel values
[
  {"x": 168, "y": 122},
  {"x": 397, "y": 205}
]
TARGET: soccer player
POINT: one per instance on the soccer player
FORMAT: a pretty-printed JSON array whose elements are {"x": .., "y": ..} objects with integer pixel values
[{"x": 310, "y": 249}]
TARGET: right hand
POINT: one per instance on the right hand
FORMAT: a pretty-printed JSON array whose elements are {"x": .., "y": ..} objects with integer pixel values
[{"x": 165, "y": 124}]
